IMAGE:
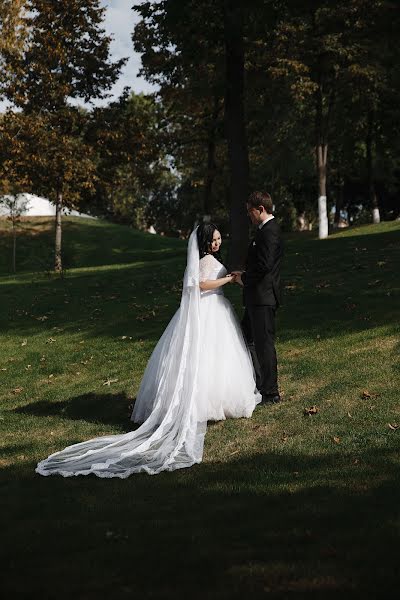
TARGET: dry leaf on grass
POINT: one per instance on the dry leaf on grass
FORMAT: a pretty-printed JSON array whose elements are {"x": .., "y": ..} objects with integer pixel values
[
  {"x": 366, "y": 395},
  {"x": 17, "y": 390},
  {"x": 110, "y": 381},
  {"x": 336, "y": 439},
  {"x": 24, "y": 343},
  {"x": 311, "y": 411},
  {"x": 393, "y": 426}
]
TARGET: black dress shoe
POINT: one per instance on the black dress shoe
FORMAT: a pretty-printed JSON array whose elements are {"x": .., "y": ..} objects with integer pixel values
[{"x": 271, "y": 399}]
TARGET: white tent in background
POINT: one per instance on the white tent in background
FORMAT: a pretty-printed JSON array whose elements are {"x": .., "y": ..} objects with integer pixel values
[{"x": 41, "y": 207}]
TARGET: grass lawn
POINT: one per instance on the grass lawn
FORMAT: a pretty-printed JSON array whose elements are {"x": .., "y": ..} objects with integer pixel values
[{"x": 284, "y": 504}]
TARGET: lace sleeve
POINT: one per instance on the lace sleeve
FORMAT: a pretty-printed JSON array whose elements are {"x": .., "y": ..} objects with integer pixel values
[{"x": 206, "y": 267}]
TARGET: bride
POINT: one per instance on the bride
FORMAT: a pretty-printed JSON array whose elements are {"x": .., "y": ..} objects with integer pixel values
[{"x": 200, "y": 370}]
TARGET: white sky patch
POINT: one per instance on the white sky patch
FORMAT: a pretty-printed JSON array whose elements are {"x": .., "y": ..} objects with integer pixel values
[{"x": 120, "y": 20}]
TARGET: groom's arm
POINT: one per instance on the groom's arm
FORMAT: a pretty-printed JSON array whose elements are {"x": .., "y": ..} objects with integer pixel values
[{"x": 267, "y": 249}]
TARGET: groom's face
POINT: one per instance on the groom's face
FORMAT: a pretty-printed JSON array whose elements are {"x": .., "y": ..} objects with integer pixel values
[{"x": 254, "y": 214}]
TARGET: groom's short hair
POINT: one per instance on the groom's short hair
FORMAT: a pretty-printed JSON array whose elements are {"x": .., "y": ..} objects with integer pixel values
[{"x": 257, "y": 199}]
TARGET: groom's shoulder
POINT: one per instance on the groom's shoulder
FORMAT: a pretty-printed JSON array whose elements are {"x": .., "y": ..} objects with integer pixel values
[{"x": 271, "y": 226}]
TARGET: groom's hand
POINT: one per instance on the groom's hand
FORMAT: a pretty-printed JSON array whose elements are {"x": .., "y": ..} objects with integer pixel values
[{"x": 238, "y": 277}]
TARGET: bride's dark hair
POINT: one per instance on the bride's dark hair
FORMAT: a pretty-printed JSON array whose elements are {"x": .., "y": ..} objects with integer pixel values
[{"x": 205, "y": 233}]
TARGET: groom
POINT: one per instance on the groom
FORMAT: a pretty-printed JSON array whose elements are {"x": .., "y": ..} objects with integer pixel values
[{"x": 261, "y": 293}]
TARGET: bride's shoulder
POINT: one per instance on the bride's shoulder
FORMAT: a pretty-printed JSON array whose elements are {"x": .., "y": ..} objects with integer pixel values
[{"x": 207, "y": 259}]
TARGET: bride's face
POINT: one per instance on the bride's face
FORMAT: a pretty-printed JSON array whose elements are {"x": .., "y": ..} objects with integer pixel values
[{"x": 216, "y": 241}]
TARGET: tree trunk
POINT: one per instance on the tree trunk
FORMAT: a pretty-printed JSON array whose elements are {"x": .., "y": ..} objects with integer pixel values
[
  {"x": 339, "y": 204},
  {"x": 236, "y": 132},
  {"x": 211, "y": 163},
  {"x": 373, "y": 199},
  {"x": 322, "y": 152},
  {"x": 58, "y": 260},
  {"x": 14, "y": 256},
  {"x": 325, "y": 97}
]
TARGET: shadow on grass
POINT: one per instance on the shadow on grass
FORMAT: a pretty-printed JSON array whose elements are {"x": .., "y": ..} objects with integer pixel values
[
  {"x": 255, "y": 526},
  {"x": 108, "y": 409},
  {"x": 331, "y": 288},
  {"x": 85, "y": 244}
]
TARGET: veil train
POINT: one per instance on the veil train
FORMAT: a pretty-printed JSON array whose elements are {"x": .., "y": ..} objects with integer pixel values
[{"x": 172, "y": 437}]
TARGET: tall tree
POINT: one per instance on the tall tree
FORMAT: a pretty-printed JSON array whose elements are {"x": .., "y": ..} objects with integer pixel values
[
  {"x": 182, "y": 48},
  {"x": 13, "y": 33},
  {"x": 132, "y": 162},
  {"x": 36, "y": 157},
  {"x": 67, "y": 57},
  {"x": 236, "y": 130}
]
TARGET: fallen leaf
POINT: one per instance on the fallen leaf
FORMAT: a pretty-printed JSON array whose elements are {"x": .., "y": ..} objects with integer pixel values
[
  {"x": 110, "y": 381},
  {"x": 232, "y": 453},
  {"x": 393, "y": 426},
  {"x": 336, "y": 439},
  {"x": 4, "y": 369},
  {"x": 44, "y": 318},
  {"x": 50, "y": 341},
  {"x": 17, "y": 390},
  {"x": 323, "y": 284},
  {"x": 366, "y": 395},
  {"x": 311, "y": 411},
  {"x": 24, "y": 343},
  {"x": 349, "y": 415}
]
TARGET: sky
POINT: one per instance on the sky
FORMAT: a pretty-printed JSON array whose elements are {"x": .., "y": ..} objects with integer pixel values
[{"x": 119, "y": 22}]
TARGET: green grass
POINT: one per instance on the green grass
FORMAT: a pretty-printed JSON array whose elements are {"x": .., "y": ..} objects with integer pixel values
[{"x": 283, "y": 504}]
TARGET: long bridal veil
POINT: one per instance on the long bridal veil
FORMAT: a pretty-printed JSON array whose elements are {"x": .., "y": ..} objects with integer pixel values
[{"x": 171, "y": 438}]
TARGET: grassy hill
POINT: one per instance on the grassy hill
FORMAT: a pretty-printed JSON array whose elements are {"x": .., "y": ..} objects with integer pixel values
[{"x": 284, "y": 503}]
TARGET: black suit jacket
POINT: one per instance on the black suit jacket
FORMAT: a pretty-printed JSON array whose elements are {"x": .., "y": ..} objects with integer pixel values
[{"x": 262, "y": 283}]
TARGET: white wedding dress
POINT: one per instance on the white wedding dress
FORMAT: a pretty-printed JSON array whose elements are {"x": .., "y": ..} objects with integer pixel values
[{"x": 200, "y": 370}]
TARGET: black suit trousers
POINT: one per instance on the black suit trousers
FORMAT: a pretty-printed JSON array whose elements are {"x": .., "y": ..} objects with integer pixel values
[{"x": 258, "y": 326}]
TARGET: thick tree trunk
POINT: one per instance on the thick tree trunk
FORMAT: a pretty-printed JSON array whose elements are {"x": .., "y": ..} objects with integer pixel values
[
  {"x": 58, "y": 259},
  {"x": 373, "y": 199},
  {"x": 211, "y": 163},
  {"x": 236, "y": 132}
]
